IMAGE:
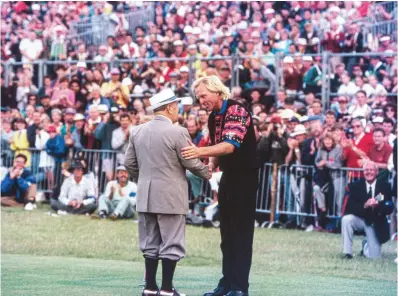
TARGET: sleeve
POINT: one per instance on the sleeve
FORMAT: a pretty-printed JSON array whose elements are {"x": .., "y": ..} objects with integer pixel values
[
  {"x": 337, "y": 161},
  {"x": 24, "y": 183},
  {"x": 237, "y": 121},
  {"x": 118, "y": 139},
  {"x": 63, "y": 196},
  {"x": 99, "y": 131},
  {"x": 131, "y": 162},
  {"x": 108, "y": 189},
  {"x": 6, "y": 185},
  {"x": 104, "y": 89},
  {"x": 90, "y": 198},
  {"x": 318, "y": 156},
  {"x": 31, "y": 136},
  {"x": 193, "y": 165}
]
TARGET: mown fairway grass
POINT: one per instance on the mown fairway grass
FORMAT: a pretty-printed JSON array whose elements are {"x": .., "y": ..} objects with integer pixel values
[{"x": 75, "y": 255}]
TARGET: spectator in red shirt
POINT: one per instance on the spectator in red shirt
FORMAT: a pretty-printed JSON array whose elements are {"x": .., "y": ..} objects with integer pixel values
[
  {"x": 380, "y": 151},
  {"x": 357, "y": 148}
]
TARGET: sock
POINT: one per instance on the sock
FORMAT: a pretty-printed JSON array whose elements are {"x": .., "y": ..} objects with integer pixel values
[
  {"x": 168, "y": 268},
  {"x": 151, "y": 267}
]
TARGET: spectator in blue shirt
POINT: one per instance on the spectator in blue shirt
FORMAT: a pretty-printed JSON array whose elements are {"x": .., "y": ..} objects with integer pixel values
[{"x": 18, "y": 188}]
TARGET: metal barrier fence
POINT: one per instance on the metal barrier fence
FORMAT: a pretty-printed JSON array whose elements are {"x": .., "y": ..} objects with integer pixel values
[
  {"x": 94, "y": 30},
  {"x": 50, "y": 173},
  {"x": 287, "y": 193}
]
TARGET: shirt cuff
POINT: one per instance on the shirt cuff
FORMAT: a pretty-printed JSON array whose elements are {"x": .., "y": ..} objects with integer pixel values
[{"x": 233, "y": 142}]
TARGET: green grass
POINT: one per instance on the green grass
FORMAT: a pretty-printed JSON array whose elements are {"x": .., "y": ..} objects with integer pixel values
[{"x": 75, "y": 255}]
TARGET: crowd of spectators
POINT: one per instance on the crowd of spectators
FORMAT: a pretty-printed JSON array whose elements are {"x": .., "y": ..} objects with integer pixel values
[{"x": 87, "y": 105}]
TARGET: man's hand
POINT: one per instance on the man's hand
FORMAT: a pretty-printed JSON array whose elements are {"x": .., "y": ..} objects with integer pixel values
[
  {"x": 78, "y": 204},
  {"x": 321, "y": 164},
  {"x": 292, "y": 143},
  {"x": 362, "y": 161},
  {"x": 72, "y": 203},
  {"x": 13, "y": 173},
  {"x": 211, "y": 169},
  {"x": 190, "y": 152},
  {"x": 371, "y": 203}
]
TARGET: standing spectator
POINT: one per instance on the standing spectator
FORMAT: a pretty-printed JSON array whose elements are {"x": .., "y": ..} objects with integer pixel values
[
  {"x": 357, "y": 148},
  {"x": 119, "y": 197},
  {"x": 388, "y": 127},
  {"x": 78, "y": 136},
  {"x": 329, "y": 158},
  {"x": 312, "y": 78},
  {"x": 56, "y": 148},
  {"x": 360, "y": 108},
  {"x": 120, "y": 137},
  {"x": 63, "y": 97},
  {"x": 95, "y": 98},
  {"x": 33, "y": 129},
  {"x": 292, "y": 77},
  {"x": 347, "y": 87},
  {"x": 114, "y": 85},
  {"x": 333, "y": 42},
  {"x": 31, "y": 48},
  {"x": 380, "y": 152},
  {"x": 19, "y": 142},
  {"x": 23, "y": 91},
  {"x": 353, "y": 42}
]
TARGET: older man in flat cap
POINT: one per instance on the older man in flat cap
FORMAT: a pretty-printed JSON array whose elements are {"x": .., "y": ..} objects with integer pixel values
[{"x": 154, "y": 162}]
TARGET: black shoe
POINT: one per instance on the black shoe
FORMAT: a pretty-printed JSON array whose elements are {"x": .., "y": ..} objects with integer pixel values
[
  {"x": 219, "y": 291},
  {"x": 347, "y": 256},
  {"x": 102, "y": 215},
  {"x": 364, "y": 242},
  {"x": 174, "y": 292},
  {"x": 237, "y": 293},
  {"x": 150, "y": 292}
]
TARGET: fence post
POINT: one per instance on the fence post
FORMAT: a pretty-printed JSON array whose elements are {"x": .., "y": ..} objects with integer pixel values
[
  {"x": 233, "y": 66},
  {"x": 40, "y": 65},
  {"x": 237, "y": 65},
  {"x": 6, "y": 74},
  {"x": 325, "y": 73},
  {"x": 190, "y": 66},
  {"x": 278, "y": 71},
  {"x": 273, "y": 191}
]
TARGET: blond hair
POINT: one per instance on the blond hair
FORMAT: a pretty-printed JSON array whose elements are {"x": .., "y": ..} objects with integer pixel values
[{"x": 214, "y": 85}]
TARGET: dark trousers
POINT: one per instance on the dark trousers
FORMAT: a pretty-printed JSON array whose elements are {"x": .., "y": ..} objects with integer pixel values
[
  {"x": 84, "y": 209},
  {"x": 237, "y": 201}
]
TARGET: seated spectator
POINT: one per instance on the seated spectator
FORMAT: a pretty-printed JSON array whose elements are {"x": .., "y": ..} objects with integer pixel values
[
  {"x": 18, "y": 188},
  {"x": 77, "y": 194},
  {"x": 366, "y": 205},
  {"x": 119, "y": 198}
]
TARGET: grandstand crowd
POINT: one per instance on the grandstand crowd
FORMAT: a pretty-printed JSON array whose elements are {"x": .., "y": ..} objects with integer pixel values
[{"x": 91, "y": 98}]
